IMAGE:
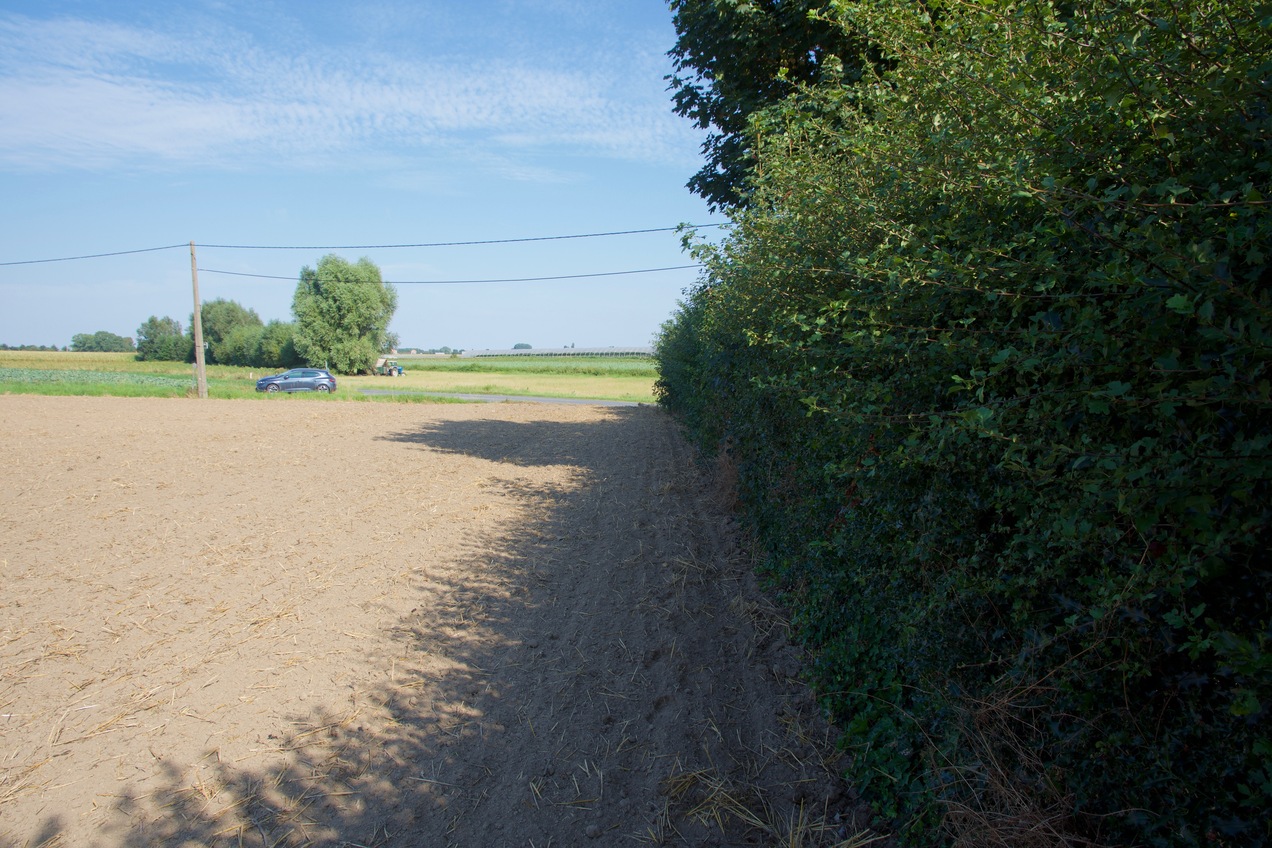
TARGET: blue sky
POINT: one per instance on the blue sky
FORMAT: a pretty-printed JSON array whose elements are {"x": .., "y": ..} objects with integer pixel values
[{"x": 130, "y": 125}]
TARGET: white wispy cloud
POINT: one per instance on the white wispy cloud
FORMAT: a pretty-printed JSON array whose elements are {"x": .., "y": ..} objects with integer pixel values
[{"x": 81, "y": 94}]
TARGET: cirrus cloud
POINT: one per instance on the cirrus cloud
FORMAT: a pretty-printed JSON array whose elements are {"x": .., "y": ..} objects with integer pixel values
[{"x": 92, "y": 95}]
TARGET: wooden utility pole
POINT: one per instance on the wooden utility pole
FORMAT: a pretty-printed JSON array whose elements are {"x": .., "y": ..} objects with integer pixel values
[{"x": 200, "y": 367}]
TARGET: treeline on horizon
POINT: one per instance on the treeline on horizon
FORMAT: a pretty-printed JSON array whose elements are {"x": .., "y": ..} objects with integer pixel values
[
  {"x": 987, "y": 347},
  {"x": 102, "y": 341},
  {"x": 37, "y": 347}
]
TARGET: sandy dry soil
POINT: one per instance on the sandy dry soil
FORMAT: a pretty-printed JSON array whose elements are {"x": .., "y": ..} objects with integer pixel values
[{"x": 291, "y": 623}]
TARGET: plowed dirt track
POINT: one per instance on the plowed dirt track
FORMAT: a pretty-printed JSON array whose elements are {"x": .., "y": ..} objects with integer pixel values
[{"x": 296, "y": 623}]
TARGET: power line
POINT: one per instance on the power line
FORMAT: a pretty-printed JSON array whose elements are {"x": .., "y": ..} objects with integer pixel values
[
  {"x": 456, "y": 243},
  {"x": 467, "y": 282},
  {"x": 370, "y": 246},
  {"x": 94, "y": 255}
]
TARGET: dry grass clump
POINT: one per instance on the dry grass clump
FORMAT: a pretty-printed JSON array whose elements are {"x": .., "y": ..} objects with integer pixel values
[
  {"x": 714, "y": 799},
  {"x": 1009, "y": 800}
]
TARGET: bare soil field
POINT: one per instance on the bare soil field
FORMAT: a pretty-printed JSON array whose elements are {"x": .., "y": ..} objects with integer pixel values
[{"x": 232, "y": 623}]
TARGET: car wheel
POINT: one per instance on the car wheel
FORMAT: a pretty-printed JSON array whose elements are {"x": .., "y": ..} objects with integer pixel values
[
  {"x": 324, "y": 388},
  {"x": 272, "y": 387}
]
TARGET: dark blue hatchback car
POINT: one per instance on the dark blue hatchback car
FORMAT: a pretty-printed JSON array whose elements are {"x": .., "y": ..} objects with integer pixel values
[{"x": 298, "y": 380}]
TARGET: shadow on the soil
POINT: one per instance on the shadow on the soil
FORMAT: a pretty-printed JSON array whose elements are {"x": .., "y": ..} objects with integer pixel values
[
  {"x": 345, "y": 780},
  {"x": 528, "y": 442},
  {"x": 410, "y": 780}
]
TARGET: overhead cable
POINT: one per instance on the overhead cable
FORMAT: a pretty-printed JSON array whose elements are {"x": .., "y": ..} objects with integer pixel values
[
  {"x": 454, "y": 243},
  {"x": 367, "y": 246},
  {"x": 96, "y": 255},
  {"x": 466, "y": 282}
]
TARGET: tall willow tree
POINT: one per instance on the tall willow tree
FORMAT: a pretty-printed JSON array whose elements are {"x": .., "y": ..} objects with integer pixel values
[{"x": 342, "y": 314}]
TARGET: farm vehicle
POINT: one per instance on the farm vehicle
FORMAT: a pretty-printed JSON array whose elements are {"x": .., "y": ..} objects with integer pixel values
[{"x": 388, "y": 367}]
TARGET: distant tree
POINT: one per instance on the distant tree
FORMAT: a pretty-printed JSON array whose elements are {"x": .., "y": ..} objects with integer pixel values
[
  {"x": 241, "y": 346},
  {"x": 522, "y": 346},
  {"x": 220, "y": 317},
  {"x": 101, "y": 342},
  {"x": 342, "y": 314},
  {"x": 161, "y": 339},
  {"x": 278, "y": 346}
]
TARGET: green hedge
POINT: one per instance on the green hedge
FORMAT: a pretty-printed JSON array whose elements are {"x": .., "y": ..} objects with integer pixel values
[{"x": 989, "y": 351}]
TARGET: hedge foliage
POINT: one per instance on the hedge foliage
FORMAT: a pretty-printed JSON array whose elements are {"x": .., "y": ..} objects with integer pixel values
[{"x": 989, "y": 350}]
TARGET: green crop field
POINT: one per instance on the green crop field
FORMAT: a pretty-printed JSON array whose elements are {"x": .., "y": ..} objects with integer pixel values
[
  {"x": 597, "y": 377},
  {"x": 68, "y": 373},
  {"x": 597, "y": 366}
]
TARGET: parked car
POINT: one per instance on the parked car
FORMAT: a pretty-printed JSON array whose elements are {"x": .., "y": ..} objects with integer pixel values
[{"x": 298, "y": 380}]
